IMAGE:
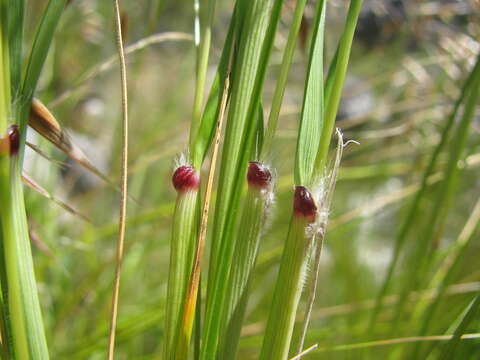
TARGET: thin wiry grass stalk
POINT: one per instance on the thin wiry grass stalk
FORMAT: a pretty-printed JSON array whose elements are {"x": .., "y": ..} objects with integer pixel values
[
  {"x": 123, "y": 180},
  {"x": 203, "y": 37},
  {"x": 397, "y": 341}
]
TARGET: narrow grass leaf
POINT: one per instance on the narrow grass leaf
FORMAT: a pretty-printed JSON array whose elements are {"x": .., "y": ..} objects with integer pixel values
[
  {"x": 339, "y": 71},
  {"x": 311, "y": 121},
  {"x": 282, "y": 79},
  {"x": 467, "y": 318},
  {"x": 248, "y": 73},
  {"x": 41, "y": 45}
]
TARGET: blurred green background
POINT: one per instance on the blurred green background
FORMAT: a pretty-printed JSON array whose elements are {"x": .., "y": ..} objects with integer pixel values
[{"x": 409, "y": 61}]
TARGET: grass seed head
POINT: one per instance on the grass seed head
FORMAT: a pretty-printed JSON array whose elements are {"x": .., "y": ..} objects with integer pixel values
[
  {"x": 304, "y": 204},
  {"x": 185, "y": 178},
  {"x": 14, "y": 139},
  {"x": 259, "y": 175}
]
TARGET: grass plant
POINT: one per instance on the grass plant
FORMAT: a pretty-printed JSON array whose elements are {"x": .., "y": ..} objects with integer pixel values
[{"x": 267, "y": 240}]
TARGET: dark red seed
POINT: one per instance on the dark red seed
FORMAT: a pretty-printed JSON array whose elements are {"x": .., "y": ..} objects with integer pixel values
[
  {"x": 304, "y": 204},
  {"x": 185, "y": 178},
  {"x": 258, "y": 175},
  {"x": 14, "y": 138}
]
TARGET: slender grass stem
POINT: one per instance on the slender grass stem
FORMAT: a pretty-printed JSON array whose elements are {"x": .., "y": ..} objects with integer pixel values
[
  {"x": 288, "y": 290},
  {"x": 123, "y": 180},
  {"x": 282, "y": 79},
  {"x": 255, "y": 211},
  {"x": 340, "y": 70},
  {"x": 203, "y": 50}
]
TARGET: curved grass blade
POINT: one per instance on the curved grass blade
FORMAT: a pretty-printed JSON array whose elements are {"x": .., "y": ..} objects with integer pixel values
[{"x": 41, "y": 45}]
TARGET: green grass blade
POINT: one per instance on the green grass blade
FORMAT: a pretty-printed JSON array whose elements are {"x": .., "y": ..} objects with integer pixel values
[
  {"x": 182, "y": 250},
  {"x": 312, "y": 117},
  {"x": 470, "y": 315},
  {"x": 207, "y": 9},
  {"x": 206, "y": 128},
  {"x": 41, "y": 45},
  {"x": 288, "y": 289},
  {"x": 28, "y": 335},
  {"x": 282, "y": 79},
  {"x": 16, "y": 15},
  {"x": 254, "y": 213},
  {"x": 249, "y": 72},
  {"x": 338, "y": 78}
]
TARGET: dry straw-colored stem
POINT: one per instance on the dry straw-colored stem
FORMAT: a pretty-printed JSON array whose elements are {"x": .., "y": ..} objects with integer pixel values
[
  {"x": 192, "y": 290},
  {"x": 123, "y": 185}
]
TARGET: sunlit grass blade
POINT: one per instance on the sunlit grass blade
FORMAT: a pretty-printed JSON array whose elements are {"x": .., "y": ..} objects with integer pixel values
[
  {"x": 338, "y": 71},
  {"x": 248, "y": 75},
  {"x": 255, "y": 211},
  {"x": 299, "y": 243},
  {"x": 182, "y": 250},
  {"x": 24, "y": 313},
  {"x": 312, "y": 117},
  {"x": 41, "y": 45},
  {"x": 288, "y": 289},
  {"x": 191, "y": 306},
  {"x": 282, "y": 79},
  {"x": 203, "y": 36},
  {"x": 206, "y": 128},
  {"x": 16, "y": 15}
]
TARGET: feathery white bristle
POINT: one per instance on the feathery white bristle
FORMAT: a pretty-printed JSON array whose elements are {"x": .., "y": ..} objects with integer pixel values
[{"x": 180, "y": 160}]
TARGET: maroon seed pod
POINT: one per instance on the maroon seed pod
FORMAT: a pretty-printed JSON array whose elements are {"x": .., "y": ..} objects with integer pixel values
[
  {"x": 258, "y": 175},
  {"x": 304, "y": 204},
  {"x": 14, "y": 137},
  {"x": 185, "y": 178}
]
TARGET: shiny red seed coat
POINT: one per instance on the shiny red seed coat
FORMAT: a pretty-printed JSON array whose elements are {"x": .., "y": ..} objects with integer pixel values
[
  {"x": 14, "y": 138},
  {"x": 258, "y": 175},
  {"x": 304, "y": 204},
  {"x": 185, "y": 178}
]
